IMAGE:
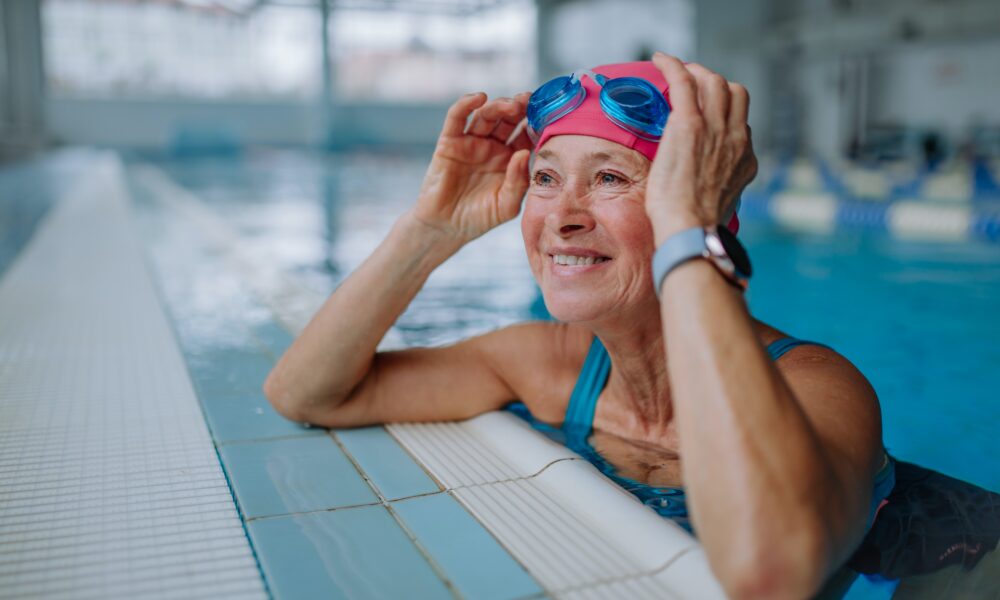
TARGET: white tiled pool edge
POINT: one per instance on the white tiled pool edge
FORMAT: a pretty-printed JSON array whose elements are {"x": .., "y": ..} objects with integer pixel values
[
  {"x": 607, "y": 540},
  {"x": 110, "y": 485}
]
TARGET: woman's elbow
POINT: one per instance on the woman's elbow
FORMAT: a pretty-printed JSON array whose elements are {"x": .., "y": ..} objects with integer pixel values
[
  {"x": 283, "y": 402},
  {"x": 793, "y": 567},
  {"x": 323, "y": 410}
]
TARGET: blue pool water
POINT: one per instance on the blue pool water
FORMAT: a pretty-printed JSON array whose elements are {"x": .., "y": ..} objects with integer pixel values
[{"x": 917, "y": 318}]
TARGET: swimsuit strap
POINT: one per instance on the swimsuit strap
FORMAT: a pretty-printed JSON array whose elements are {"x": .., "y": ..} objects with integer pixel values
[
  {"x": 594, "y": 376},
  {"x": 780, "y": 346}
]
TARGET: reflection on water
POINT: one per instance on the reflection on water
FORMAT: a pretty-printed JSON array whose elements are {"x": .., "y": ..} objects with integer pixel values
[{"x": 320, "y": 216}]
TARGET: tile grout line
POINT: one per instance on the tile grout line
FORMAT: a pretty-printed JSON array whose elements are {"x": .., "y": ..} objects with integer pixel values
[
  {"x": 438, "y": 569},
  {"x": 314, "y": 432}
]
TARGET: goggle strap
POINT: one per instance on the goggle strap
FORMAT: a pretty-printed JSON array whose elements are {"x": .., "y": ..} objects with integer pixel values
[
  {"x": 595, "y": 77},
  {"x": 522, "y": 127}
]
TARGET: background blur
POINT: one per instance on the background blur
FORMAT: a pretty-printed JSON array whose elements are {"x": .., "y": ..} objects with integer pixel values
[{"x": 881, "y": 79}]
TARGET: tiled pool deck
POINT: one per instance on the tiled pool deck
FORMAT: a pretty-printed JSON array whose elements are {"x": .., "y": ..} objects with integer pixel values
[
  {"x": 113, "y": 485},
  {"x": 109, "y": 483}
]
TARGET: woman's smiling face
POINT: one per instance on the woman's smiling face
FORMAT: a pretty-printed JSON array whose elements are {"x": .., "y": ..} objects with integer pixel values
[{"x": 586, "y": 233}]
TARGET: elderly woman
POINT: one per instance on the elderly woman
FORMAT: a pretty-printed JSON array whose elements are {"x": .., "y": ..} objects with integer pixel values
[{"x": 654, "y": 343}]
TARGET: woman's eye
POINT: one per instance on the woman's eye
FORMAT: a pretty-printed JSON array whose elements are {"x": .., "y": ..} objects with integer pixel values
[
  {"x": 543, "y": 179},
  {"x": 610, "y": 179}
]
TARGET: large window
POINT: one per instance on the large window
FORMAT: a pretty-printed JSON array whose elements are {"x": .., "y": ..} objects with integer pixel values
[
  {"x": 406, "y": 51},
  {"x": 119, "y": 48},
  {"x": 423, "y": 56}
]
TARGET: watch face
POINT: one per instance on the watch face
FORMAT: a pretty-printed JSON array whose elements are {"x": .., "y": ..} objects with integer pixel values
[{"x": 734, "y": 249}]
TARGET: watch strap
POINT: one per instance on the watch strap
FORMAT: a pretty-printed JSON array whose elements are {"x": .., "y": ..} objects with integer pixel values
[{"x": 678, "y": 248}]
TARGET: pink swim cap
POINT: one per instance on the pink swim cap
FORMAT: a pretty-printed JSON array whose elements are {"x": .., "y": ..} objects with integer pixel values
[{"x": 589, "y": 118}]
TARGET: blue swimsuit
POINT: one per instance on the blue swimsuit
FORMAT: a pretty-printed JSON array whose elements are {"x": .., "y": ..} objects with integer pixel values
[{"x": 667, "y": 501}]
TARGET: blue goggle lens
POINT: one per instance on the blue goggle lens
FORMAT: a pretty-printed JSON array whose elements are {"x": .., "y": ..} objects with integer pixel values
[
  {"x": 635, "y": 105},
  {"x": 554, "y": 100}
]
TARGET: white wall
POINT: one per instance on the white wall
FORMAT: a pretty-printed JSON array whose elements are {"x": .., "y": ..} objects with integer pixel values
[
  {"x": 729, "y": 42},
  {"x": 948, "y": 86},
  {"x": 826, "y": 115},
  {"x": 588, "y": 33}
]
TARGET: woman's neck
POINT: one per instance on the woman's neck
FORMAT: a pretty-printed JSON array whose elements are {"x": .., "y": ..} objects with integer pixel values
[{"x": 638, "y": 388}]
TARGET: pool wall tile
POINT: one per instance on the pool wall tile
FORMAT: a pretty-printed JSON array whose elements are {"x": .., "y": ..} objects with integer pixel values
[
  {"x": 247, "y": 416},
  {"x": 471, "y": 558},
  {"x": 272, "y": 336},
  {"x": 229, "y": 370},
  {"x": 388, "y": 466},
  {"x": 349, "y": 553},
  {"x": 293, "y": 475}
]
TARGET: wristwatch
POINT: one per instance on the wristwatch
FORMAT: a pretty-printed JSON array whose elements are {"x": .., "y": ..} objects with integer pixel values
[{"x": 717, "y": 244}]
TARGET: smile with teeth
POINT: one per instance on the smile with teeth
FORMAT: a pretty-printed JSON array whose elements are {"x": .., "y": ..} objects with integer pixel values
[{"x": 567, "y": 259}]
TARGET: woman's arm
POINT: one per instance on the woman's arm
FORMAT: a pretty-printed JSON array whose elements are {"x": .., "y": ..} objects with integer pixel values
[
  {"x": 474, "y": 183},
  {"x": 779, "y": 464}
]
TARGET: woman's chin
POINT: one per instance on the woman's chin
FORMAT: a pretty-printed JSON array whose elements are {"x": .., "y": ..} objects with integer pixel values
[{"x": 573, "y": 308}]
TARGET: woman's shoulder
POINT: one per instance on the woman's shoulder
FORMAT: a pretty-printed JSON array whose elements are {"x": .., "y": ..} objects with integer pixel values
[{"x": 540, "y": 361}]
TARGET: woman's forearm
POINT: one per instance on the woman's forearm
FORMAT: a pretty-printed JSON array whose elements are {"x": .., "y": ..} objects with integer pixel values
[
  {"x": 474, "y": 183},
  {"x": 755, "y": 469},
  {"x": 334, "y": 353}
]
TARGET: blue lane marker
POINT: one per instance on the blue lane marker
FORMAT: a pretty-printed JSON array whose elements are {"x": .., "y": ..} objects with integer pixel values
[
  {"x": 987, "y": 226},
  {"x": 985, "y": 184},
  {"x": 863, "y": 214},
  {"x": 388, "y": 466},
  {"x": 471, "y": 558},
  {"x": 348, "y": 553}
]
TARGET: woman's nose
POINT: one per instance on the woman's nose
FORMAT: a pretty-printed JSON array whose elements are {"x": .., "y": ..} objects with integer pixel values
[{"x": 571, "y": 214}]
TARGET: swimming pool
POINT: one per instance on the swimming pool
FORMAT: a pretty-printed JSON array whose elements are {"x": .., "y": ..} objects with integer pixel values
[
  {"x": 915, "y": 317},
  {"x": 918, "y": 318}
]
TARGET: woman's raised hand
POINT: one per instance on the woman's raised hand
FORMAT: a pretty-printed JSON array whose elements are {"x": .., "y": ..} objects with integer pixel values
[
  {"x": 476, "y": 180},
  {"x": 706, "y": 157}
]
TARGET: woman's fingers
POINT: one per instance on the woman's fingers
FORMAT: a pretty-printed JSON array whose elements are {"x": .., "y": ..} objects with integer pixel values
[
  {"x": 501, "y": 119},
  {"x": 458, "y": 113},
  {"x": 491, "y": 115},
  {"x": 739, "y": 105},
  {"x": 515, "y": 185},
  {"x": 682, "y": 89},
  {"x": 713, "y": 96},
  {"x": 512, "y": 120},
  {"x": 502, "y": 131},
  {"x": 519, "y": 139}
]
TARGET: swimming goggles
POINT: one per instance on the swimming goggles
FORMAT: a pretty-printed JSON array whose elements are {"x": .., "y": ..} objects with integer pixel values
[{"x": 632, "y": 103}]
